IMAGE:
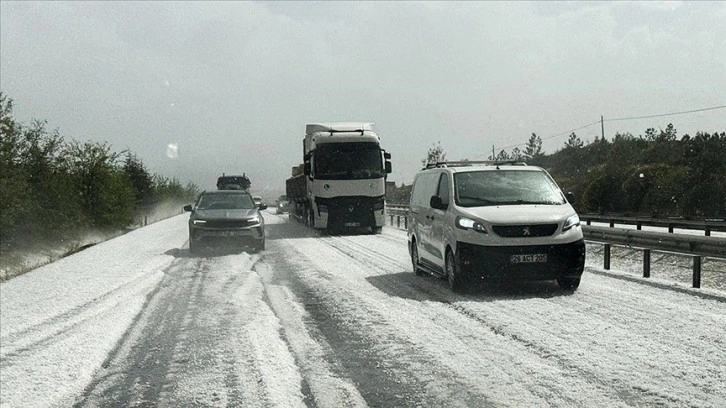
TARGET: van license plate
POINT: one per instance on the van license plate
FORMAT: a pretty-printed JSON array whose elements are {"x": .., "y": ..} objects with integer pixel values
[{"x": 530, "y": 258}]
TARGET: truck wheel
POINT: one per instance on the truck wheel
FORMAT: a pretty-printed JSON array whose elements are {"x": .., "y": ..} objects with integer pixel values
[
  {"x": 311, "y": 218},
  {"x": 454, "y": 274},
  {"x": 377, "y": 230}
]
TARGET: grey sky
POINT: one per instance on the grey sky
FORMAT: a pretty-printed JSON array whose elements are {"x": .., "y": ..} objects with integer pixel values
[{"x": 233, "y": 84}]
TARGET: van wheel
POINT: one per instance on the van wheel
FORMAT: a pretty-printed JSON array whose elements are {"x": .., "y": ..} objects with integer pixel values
[
  {"x": 456, "y": 278},
  {"x": 377, "y": 230},
  {"x": 414, "y": 260},
  {"x": 570, "y": 284}
]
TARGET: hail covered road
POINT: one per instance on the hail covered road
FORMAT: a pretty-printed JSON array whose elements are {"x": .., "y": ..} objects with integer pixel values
[{"x": 335, "y": 321}]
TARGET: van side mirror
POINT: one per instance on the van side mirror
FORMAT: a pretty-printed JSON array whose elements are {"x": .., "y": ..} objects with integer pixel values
[
  {"x": 387, "y": 155},
  {"x": 570, "y": 197},
  {"x": 388, "y": 167},
  {"x": 188, "y": 207},
  {"x": 437, "y": 204}
]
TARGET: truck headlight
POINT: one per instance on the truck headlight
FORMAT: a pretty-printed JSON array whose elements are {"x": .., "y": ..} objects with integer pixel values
[
  {"x": 572, "y": 221},
  {"x": 469, "y": 224}
]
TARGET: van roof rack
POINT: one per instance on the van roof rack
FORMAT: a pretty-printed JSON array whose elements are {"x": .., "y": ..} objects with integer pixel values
[{"x": 464, "y": 163}]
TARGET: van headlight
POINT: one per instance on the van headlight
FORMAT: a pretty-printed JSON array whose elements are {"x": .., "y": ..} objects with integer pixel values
[
  {"x": 572, "y": 221},
  {"x": 469, "y": 224}
]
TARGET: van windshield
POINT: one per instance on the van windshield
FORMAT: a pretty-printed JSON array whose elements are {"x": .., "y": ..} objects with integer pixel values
[{"x": 505, "y": 187}]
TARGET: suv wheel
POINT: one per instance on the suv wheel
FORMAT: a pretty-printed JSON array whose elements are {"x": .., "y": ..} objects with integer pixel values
[
  {"x": 414, "y": 259},
  {"x": 456, "y": 278}
]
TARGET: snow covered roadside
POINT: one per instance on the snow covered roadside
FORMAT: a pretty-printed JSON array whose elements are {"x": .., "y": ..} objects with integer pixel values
[{"x": 59, "y": 322}]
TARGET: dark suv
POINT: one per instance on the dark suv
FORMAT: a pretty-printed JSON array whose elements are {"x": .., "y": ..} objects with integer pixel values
[{"x": 226, "y": 215}]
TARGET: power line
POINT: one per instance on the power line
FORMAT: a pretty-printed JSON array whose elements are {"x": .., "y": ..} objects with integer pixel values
[
  {"x": 611, "y": 120},
  {"x": 542, "y": 138},
  {"x": 666, "y": 114}
]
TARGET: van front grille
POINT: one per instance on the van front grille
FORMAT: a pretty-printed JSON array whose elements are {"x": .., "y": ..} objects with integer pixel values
[{"x": 525, "y": 231}]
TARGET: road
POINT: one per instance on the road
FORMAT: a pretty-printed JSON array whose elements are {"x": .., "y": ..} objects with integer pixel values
[{"x": 333, "y": 321}]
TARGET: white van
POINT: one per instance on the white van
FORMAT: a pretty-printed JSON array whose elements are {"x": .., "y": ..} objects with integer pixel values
[{"x": 507, "y": 220}]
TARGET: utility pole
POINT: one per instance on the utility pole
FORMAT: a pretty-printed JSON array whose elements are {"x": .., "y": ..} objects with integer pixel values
[
  {"x": 602, "y": 128},
  {"x": 494, "y": 157}
]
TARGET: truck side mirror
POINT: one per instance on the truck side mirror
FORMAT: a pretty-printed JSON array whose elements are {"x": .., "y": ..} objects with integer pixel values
[
  {"x": 188, "y": 207},
  {"x": 388, "y": 167},
  {"x": 387, "y": 155}
]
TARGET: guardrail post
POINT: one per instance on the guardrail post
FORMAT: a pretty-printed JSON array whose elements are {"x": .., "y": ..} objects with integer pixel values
[
  {"x": 646, "y": 263},
  {"x": 405, "y": 222},
  {"x": 612, "y": 224},
  {"x": 639, "y": 226},
  {"x": 606, "y": 257},
  {"x": 398, "y": 221},
  {"x": 391, "y": 219},
  {"x": 708, "y": 231},
  {"x": 670, "y": 228},
  {"x": 696, "y": 271}
]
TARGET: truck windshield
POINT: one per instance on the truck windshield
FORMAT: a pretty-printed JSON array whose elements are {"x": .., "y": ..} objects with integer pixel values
[
  {"x": 348, "y": 161},
  {"x": 503, "y": 187}
]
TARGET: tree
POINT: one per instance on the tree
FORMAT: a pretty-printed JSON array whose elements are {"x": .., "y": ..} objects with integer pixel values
[
  {"x": 105, "y": 193},
  {"x": 573, "y": 142},
  {"x": 533, "y": 149},
  {"x": 139, "y": 177},
  {"x": 434, "y": 155},
  {"x": 503, "y": 156}
]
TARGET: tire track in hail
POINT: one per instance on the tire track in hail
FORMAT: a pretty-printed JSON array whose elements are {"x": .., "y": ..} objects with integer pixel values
[
  {"x": 383, "y": 378},
  {"x": 415, "y": 287},
  {"x": 135, "y": 370}
]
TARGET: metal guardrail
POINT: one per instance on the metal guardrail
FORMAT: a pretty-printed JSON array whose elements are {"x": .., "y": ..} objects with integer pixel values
[
  {"x": 694, "y": 246},
  {"x": 689, "y": 245},
  {"x": 707, "y": 224}
]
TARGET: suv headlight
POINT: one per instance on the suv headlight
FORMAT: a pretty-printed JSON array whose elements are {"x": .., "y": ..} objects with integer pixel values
[
  {"x": 199, "y": 222},
  {"x": 469, "y": 224},
  {"x": 572, "y": 221},
  {"x": 254, "y": 220}
]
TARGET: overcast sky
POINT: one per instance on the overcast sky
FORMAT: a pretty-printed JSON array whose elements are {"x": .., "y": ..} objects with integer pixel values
[{"x": 232, "y": 85}]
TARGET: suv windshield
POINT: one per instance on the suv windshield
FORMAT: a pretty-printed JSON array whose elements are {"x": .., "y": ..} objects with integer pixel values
[
  {"x": 225, "y": 202},
  {"x": 505, "y": 187},
  {"x": 348, "y": 161}
]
